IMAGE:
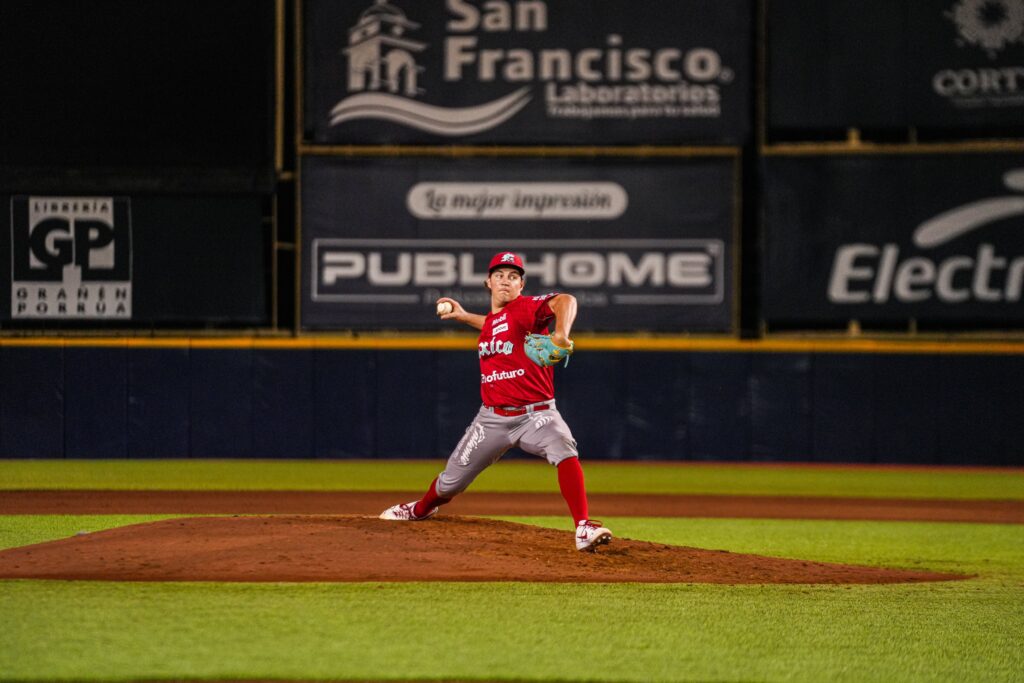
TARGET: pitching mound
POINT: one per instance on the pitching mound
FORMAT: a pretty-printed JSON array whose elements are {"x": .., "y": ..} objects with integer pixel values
[
  {"x": 355, "y": 548},
  {"x": 483, "y": 503}
]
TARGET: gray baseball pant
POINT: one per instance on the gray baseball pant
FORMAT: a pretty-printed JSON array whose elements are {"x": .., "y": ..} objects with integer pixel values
[{"x": 538, "y": 432}]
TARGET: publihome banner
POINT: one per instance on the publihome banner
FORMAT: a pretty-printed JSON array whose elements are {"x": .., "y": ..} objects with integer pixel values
[
  {"x": 527, "y": 71},
  {"x": 936, "y": 239},
  {"x": 78, "y": 260},
  {"x": 642, "y": 246}
]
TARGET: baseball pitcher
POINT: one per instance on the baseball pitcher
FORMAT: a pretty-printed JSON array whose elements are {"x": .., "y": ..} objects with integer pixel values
[{"x": 517, "y": 359}]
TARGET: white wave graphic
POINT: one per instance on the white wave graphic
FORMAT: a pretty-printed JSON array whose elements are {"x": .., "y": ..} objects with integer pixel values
[
  {"x": 952, "y": 224},
  {"x": 427, "y": 117},
  {"x": 963, "y": 219}
]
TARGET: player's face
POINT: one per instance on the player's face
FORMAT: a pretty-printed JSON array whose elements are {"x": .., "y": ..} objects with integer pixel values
[{"x": 505, "y": 284}]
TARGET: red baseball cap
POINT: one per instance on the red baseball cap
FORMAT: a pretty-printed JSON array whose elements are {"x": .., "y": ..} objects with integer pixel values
[{"x": 506, "y": 259}]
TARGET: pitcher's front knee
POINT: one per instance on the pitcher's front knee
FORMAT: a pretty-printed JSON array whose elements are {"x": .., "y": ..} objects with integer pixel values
[
  {"x": 558, "y": 449},
  {"x": 449, "y": 486},
  {"x": 557, "y": 459}
]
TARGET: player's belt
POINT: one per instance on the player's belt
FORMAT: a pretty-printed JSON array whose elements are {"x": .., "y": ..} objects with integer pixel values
[{"x": 513, "y": 412}]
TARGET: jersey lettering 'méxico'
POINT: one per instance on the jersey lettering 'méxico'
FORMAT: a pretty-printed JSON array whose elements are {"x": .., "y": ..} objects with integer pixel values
[{"x": 507, "y": 376}]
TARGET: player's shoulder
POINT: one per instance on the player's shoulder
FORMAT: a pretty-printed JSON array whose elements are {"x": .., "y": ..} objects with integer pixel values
[
  {"x": 538, "y": 299},
  {"x": 529, "y": 307}
]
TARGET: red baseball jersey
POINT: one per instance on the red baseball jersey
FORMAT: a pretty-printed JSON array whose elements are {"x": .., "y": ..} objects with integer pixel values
[{"x": 507, "y": 375}]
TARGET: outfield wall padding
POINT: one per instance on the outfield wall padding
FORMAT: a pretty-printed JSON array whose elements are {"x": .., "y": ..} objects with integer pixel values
[
  {"x": 119, "y": 401},
  {"x": 158, "y": 403}
]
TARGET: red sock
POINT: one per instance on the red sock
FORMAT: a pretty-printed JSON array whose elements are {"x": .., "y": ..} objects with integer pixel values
[
  {"x": 570, "y": 481},
  {"x": 429, "y": 501}
]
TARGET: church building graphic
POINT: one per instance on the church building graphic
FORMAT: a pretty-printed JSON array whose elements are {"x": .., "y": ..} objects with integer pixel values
[
  {"x": 383, "y": 80},
  {"x": 380, "y": 55}
]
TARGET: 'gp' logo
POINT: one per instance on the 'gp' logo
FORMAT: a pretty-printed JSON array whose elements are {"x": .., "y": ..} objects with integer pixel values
[{"x": 91, "y": 235}]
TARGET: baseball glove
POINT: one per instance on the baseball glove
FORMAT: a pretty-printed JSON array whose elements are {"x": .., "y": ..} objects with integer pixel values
[{"x": 545, "y": 352}]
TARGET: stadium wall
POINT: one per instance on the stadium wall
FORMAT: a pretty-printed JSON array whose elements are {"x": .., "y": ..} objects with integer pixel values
[
  {"x": 204, "y": 191},
  {"x": 314, "y": 399}
]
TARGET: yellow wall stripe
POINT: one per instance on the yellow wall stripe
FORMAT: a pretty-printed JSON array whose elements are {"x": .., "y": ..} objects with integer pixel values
[
  {"x": 584, "y": 342},
  {"x": 871, "y": 148},
  {"x": 458, "y": 151}
]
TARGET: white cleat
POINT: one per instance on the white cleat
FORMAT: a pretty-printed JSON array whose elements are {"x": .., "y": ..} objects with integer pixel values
[
  {"x": 403, "y": 512},
  {"x": 590, "y": 534}
]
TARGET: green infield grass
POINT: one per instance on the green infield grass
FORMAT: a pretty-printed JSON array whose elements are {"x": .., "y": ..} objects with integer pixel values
[
  {"x": 964, "y": 630},
  {"x": 514, "y": 475}
]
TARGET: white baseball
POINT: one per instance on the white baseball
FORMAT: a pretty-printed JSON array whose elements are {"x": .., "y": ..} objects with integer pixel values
[{"x": 444, "y": 308}]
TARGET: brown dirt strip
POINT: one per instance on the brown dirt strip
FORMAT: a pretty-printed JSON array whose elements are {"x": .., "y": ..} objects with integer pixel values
[
  {"x": 371, "y": 503},
  {"x": 358, "y": 548}
]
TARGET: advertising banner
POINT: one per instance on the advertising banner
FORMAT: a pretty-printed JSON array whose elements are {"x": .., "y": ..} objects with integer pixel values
[
  {"x": 570, "y": 72},
  {"x": 834, "y": 65},
  {"x": 71, "y": 258},
  {"x": 966, "y": 63},
  {"x": 131, "y": 261},
  {"x": 112, "y": 87},
  {"x": 935, "y": 239},
  {"x": 933, "y": 64},
  {"x": 642, "y": 246}
]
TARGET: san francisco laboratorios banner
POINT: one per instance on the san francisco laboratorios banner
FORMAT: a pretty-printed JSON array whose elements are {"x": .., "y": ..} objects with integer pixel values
[
  {"x": 935, "y": 239},
  {"x": 527, "y": 71},
  {"x": 642, "y": 247}
]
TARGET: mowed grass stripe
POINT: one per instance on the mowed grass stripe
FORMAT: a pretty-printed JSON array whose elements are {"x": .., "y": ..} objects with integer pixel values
[
  {"x": 98, "y": 631},
  {"x": 514, "y": 476},
  {"x": 970, "y": 630}
]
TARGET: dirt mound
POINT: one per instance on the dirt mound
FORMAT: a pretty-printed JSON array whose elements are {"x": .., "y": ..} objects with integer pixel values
[
  {"x": 356, "y": 548},
  {"x": 479, "y": 503}
]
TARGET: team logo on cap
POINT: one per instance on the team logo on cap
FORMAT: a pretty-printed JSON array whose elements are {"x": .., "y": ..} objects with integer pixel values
[{"x": 508, "y": 258}]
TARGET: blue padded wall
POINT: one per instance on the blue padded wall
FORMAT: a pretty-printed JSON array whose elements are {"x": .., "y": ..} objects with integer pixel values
[
  {"x": 907, "y": 404},
  {"x": 407, "y": 409},
  {"x": 220, "y": 396},
  {"x": 32, "y": 402},
  {"x": 656, "y": 405},
  {"x": 987, "y": 421},
  {"x": 780, "y": 406},
  {"x": 159, "y": 395},
  {"x": 344, "y": 404},
  {"x": 118, "y": 401},
  {"x": 95, "y": 402},
  {"x": 843, "y": 408},
  {"x": 719, "y": 406},
  {"x": 456, "y": 402},
  {"x": 282, "y": 404},
  {"x": 591, "y": 395}
]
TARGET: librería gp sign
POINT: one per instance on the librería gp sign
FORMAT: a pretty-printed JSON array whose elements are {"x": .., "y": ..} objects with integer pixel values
[{"x": 71, "y": 257}]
